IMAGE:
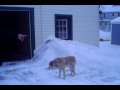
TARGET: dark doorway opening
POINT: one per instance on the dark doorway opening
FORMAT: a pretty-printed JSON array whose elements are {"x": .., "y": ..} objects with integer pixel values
[{"x": 19, "y": 22}]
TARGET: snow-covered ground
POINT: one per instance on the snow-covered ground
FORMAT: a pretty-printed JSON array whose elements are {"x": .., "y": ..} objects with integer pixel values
[
  {"x": 104, "y": 35},
  {"x": 95, "y": 65}
]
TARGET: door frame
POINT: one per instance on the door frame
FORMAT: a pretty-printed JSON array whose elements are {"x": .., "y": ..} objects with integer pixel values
[{"x": 31, "y": 23}]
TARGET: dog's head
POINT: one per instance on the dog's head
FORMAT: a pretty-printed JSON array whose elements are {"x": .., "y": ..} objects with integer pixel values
[{"x": 50, "y": 65}]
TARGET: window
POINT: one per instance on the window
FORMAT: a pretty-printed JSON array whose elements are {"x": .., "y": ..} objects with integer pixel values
[
  {"x": 62, "y": 29},
  {"x": 63, "y": 26}
]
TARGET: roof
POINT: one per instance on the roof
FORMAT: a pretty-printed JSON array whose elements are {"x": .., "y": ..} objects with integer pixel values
[
  {"x": 110, "y": 8},
  {"x": 116, "y": 20}
]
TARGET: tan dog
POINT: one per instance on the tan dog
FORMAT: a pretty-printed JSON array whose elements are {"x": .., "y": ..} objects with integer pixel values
[{"x": 63, "y": 62}]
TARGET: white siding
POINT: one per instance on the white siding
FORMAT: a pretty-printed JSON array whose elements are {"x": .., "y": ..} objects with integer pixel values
[{"x": 85, "y": 21}]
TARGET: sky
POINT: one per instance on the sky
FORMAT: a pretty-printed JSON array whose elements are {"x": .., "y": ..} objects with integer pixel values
[{"x": 94, "y": 65}]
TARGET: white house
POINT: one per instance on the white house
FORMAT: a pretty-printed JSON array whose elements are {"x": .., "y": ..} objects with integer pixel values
[
  {"x": 69, "y": 22},
  {"x": 108, "y": 13}
]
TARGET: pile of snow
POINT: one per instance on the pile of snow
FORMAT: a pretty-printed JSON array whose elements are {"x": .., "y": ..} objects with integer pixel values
[
  {"x": 94, "y": 65},
  {"x": 104, "y": 35}
]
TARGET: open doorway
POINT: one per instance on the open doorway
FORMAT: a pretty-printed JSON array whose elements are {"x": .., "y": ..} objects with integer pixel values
[{"x": 18, "y": 21}]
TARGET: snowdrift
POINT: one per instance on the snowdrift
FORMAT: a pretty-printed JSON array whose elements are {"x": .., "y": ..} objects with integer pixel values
[{"x": 94, "y": 65}]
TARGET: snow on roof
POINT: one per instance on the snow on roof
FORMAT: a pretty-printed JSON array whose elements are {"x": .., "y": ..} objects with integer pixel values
[
  {"x": 116, "y": 20},
  {"x": 110, "y": 8}
]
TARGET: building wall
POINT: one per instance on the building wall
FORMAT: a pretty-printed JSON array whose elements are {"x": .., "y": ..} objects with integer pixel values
[
  {"x": 110, "y": 15},
  {"x": 85, "y": 21},
  {"x": 115, "y": 35},
  {"x": 105, "y": 26}
]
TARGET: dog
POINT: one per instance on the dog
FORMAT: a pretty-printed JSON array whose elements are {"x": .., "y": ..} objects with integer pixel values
[{"x": 62, "y": 63}]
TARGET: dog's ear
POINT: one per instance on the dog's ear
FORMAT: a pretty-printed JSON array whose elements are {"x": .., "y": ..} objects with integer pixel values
[{"x": 51, "y": 63}]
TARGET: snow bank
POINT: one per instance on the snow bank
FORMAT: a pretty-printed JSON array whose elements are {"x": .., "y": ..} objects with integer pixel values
[
  {"x": 104, "y": 35},
  {"x": 95, "y": 65},
  {"x": 89, "y": 58},
  {"x": 53, "y": 48}
]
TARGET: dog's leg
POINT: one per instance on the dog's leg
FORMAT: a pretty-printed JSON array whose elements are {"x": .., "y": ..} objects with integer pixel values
[
  {"x": 73, "y": 71},
  {"x": 64, "y": 73},
  {"x": 70, "y": 69},
  {"x": 59, "y": 72}
]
